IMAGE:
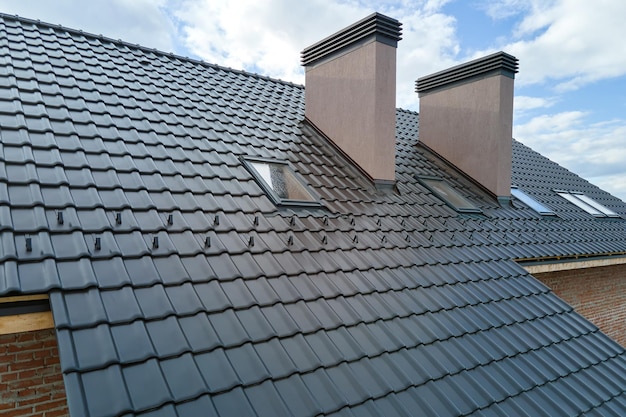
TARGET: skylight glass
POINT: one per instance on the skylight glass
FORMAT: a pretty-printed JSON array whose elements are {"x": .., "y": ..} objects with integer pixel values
[
  {"x": 531, "y": 202},
  {"x": 449, "y": 195},
  {"x": 589, "y": 205},
  {"x": 596, "y": 205},
  {"x": 280, "y": 182}
]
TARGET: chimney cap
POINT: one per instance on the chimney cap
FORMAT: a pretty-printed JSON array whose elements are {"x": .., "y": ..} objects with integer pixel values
[
  {"x": 383, "y": 28},
  {"x": 498, "y": 63}
]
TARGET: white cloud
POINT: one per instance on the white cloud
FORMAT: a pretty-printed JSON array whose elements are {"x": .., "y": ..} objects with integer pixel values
[
  {"x": 595, "y": 151},
  {"x": 524, "y": 104},
  {"x": 504, "y": 9},
  {"x": 267, "y": 37},
  {"x": 429, "y": 44},
  {"x": 261, "y": 36},
  {"x": 615, "y": 184},
  {"x": 570, "y": 43}
]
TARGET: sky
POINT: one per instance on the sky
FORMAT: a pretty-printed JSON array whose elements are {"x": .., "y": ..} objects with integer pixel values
[{"x": 570, "y": 92}]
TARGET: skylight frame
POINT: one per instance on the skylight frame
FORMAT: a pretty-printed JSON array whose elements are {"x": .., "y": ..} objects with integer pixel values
[
  {"x": 441, "y": 189},
  {"x": 251, "y": 164},
  {"x": 535, "y": 205},
  {"x": 587, "y": 204}
]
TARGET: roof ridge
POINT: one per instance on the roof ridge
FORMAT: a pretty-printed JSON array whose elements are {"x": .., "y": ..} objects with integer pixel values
[{"x": 142, "y": 48}]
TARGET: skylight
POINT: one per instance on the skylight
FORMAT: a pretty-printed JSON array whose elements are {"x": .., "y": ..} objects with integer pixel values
[
  {"x": 589, "y": 205},
  {"x": 281, "y": 183},
  {"x": 449, "y": 195},
  {"x": 531, "y": 202}
]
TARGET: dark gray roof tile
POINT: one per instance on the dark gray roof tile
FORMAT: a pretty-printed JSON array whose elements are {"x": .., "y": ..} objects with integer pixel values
[
  {"x": 184, "y": 299},
  {"x": 183, "y": 378},
  {"x": 146, "y": 385},
  {"x": 132, "y": 342},
  {"x": 255, "y": 324},
  {"x": 266, "y": 400},
  {"x": 228, "y": 328},
  {"x": 392, "y": 371},
  {"x": 199, "y": 332},
  {"x": 84, "y": 308},
  {"x": 201, "y": 406},
  {"x": 216, "y": 370},
  {"x": 212, "y": 296},
  {"x": 224, "y": 267},
  {"x": 121, "y": 305},
  {"x": 171, "y": 270},
  {"x": 45, "y": 270},
  {"x": 142, "y": 271},
  {"x": 233, "y": 403},
  {"x": 154, "y": 302},
  {"x": 105, "y": 392},
  {"x": 262, "y": 291},
  {"x": 275, "y": 358},
  {"x": 102, "y": 352},
  {"x": 297, "y": 396},
  {"x": 167, "y": 337},
  {"x": 247, "y": 364},
  {"x": 324, "y": 391}
]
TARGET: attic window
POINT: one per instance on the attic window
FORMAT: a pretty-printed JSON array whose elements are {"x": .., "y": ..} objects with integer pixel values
[
  {"x": 280, "y": 182},
  {"x": 589, "y": 205},
  {"x": 449, "y": 195},
  {"x": 531, "y": 202}
]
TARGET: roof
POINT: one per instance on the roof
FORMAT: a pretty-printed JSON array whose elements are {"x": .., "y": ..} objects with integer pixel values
[{"x": 179, "y": 289}]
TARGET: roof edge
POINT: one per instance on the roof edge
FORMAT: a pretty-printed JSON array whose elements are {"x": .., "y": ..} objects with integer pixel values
[{"x": 543, "y": 265}]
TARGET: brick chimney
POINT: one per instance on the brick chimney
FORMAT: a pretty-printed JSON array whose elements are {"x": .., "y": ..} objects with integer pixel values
[
  {"x": 350, "y": 93},
  {"x": 466, "y": 117}
]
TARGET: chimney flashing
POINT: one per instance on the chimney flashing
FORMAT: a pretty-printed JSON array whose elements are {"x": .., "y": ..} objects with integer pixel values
[
  {"x": 499, "y": 63},
  {"x": 375, "y": 27}
]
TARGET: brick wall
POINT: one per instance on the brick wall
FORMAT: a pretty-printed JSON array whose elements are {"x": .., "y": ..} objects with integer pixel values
[
  {"x": 31, "y": 383},
  {"x": 598, "y": 293}
]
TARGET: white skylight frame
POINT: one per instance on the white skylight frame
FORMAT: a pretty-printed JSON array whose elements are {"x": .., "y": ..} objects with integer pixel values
[
  {"x": 448, "y": 194},
  {"x": 531, "y": 202},
  {"x": 587, "y": 204},
  {"x": 301, "y": 194}
]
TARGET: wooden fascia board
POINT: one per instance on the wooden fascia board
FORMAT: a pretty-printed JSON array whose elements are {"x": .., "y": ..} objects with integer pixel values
[{"x": 25, "y": 322}]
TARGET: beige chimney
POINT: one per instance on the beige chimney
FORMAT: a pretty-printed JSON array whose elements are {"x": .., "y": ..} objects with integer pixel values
[
  {"x": 350, "y": 93},
  {"x": 466, "y": 117}
]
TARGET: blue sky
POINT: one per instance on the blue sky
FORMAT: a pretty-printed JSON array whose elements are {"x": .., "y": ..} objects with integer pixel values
[{"x": 570, "y": 92}]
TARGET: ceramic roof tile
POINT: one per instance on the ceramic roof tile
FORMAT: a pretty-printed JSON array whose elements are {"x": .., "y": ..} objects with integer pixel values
[
  {"x": 103, "y": 350},
  {"x": 105, "y": 393},
  {"x": 183, "y": 378},
  {"x": 297, "y": 396},
  {"x": 132, "y": 342},
  {"x": 233, "y": 403},
  {"x": 167, "y": 337},
  {"x": 146, "y": 385},
  {"x": 216, "y": 370}
]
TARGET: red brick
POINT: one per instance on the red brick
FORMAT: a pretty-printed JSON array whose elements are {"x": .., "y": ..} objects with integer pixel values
[
  {"x": 9, "y": 376},
  {"x": 599, "y": 294},
  {"x": 56, "y": 413},
  {"x": 18, "y": 412},
  {"x": 50, "y": 405},
  {"x": 31, "y": 383}
]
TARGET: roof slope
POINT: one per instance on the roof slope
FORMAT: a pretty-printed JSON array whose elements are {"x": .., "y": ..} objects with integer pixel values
[
  {"x": 178, "y": 289},
  {"x": 517, "y": 230}
]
